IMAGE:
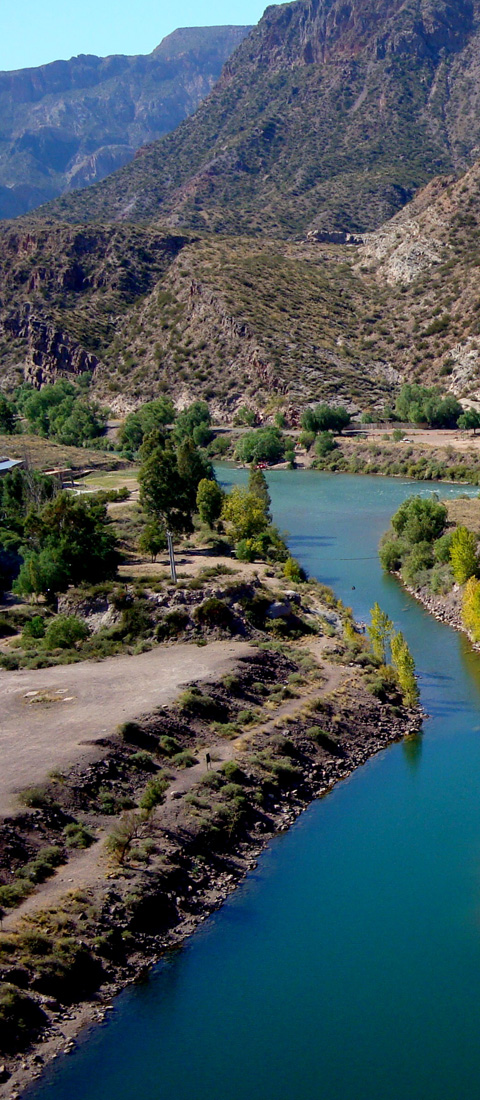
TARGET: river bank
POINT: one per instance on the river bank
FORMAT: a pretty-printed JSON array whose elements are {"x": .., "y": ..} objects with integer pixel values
[{"x": 201, "y": 841}]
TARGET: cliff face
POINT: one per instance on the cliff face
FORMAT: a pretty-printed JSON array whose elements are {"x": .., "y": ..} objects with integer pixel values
[
  {"x": 71, "y": 123},
  {"x": 329, "y": 116}
]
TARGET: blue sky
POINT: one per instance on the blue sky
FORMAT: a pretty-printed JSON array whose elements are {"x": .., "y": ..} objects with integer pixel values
[{"x": 36, "y": 31}]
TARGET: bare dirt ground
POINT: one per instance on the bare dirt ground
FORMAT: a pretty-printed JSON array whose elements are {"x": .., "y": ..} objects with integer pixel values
[
  {"x": 422, "y": 437},
  {"x": 52, "y": 717},
  {"x": 86, "y": 869},
  {"x": 189, "y": 563}
]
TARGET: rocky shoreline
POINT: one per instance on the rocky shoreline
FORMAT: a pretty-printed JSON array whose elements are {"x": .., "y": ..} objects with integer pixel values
[{"x": 446, "y": 609}]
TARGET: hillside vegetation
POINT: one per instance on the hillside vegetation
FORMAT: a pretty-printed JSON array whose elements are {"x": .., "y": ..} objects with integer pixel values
[
  {"x": 327, "y": 117},
  {"x": 236, "y": 308},
  {"x": 70, "y": 123}
]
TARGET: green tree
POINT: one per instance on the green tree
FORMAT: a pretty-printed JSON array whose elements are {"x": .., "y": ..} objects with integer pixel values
[
  {"x": 163, "y": 491},
  {"x": 420, "y": 519},
  {"x": 62, "y": 411},
  {"x": 152, "y": 539},
  {"x": 463, "y": 554},
  {"x": 423, "y": 405},
  {"x": 261, "y": 445},
  {"x": 74, "y": 535},
  {"x": 468, "y": 421},
  {"x": 7, "y": 415},
  {"x": 198, "y": 413},
  {"x": 379, "y": 632},
  {"x": 153, "y": 416},
  {"x": 257, "y": 484},
  {"x": 40, "y": 574},
  {"x": 20, "y": 491},
  {"x": 193, "y": 467},
  {"x": 209, "y": 501},
  {"x": 332, "y": 418},
  {"x": 404, "y": 666},
  {"x": 244, "y": 514},
  {"x": 325, "y": 418}
]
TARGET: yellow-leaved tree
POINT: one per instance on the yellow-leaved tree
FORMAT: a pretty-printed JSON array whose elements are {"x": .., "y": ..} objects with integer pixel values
[
  {"x": 404, "y": 666},
  {"x": 463, "y": 554},
  {"x": 471, "y": 608}
]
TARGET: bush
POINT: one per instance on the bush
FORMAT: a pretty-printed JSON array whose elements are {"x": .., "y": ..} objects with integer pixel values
[
  {"x": 77, "y": 835},
  {"x": 168, "y": 745},
  {"x": 68, "y": 971},
  {"x": 35, "y": 798},
  {"x": 441, "y": 580},
  {"x": 284, "y": 772},
  {"x": 232, "y": 772},
  {"x": 34, "y": 628},
  {"x": 134, "y": 623},
  {"x": 20, "y": 1019},
  {"x": 417, "y": 562},
  {"x": 13, "y": 893},
  {"x": 442, "y": 547},
  {"x": 154, "y": 793},
  {"x": 184, "y": 759},
  {"x": 213, "y": 613},
  {"x": 246, "y": 550},
  {"x": 143, "y": 761},
  {"x": 293, "y": 571},
  {"x": 326, "y": 740},
  {"x": 325, "y": 444},
  {"x": 43, "y": 866},
  {"x": 173, "y": 624},
  {"x": 195, "y": 704},
  {"x": 64, "y": 632}
]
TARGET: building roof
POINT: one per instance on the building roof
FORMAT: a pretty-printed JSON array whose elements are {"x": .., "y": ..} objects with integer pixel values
[{"x": 7, "y": 464}]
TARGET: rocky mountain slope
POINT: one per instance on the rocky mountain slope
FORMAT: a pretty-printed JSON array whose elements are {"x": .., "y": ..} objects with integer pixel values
[
  {"x": 71, "y": 123},
  {"x": 329, "y": 116},
  {"x": 232, "y": 319},
  {"x": 251, "y": 317}
]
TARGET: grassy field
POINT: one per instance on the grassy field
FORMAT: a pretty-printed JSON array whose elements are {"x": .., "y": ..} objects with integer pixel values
[{"x": 44, "y": 454}]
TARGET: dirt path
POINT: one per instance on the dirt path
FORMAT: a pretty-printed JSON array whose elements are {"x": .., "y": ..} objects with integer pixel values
[
  {"x": 89, "y": 868},
  {"x": 52, "y": 717}
]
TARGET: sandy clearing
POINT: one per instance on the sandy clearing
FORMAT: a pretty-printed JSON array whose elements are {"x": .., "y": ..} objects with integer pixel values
[
  {"x": 87, "y": 869},
  {"x": 80, "y": 704}
]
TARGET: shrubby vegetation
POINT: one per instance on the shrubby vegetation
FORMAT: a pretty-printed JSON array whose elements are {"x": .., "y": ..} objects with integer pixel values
[
  {"x": 423, "y": 405},
  {"x": 63, "y": 411},
  {"x": 427, "y": 553},
  {"x": 325, "y": 418},
  {"x": 261, "y": 445},
  {"x": 152, "y": 416}
]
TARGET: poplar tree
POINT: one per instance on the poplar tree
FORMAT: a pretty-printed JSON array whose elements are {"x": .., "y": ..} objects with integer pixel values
[
  {"x": 463, "y": 554},
  {"x": 257, "y": 484},
  {"x": 471, "y": 608},
  {"x": 404, "y": 666},
  {"x": 379, "y": 632}
]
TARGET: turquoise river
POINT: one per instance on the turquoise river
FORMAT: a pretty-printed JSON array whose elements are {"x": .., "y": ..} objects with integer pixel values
[{"x": 347, "y": 966}]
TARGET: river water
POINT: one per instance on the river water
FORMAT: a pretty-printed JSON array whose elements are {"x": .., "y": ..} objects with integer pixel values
[{"x": 347, "y": 967}]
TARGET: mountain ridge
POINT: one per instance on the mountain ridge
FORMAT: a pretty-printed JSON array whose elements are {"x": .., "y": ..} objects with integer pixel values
[
  {"x": 329, "y": 115},
  {"x": 68, "y": 123}
]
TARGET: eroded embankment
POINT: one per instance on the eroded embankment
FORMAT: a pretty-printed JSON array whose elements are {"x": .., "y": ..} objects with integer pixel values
[{"x": 166, "y": 841}]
